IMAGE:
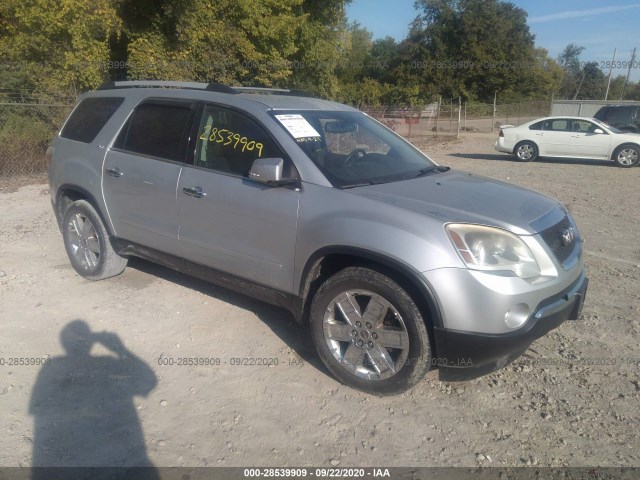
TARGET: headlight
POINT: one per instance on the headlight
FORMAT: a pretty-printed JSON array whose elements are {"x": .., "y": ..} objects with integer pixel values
[{"x": 493, "y": 249}]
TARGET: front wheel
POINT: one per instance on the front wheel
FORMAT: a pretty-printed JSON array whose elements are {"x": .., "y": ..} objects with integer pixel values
[
  {"x": 87, "y": 243},
  {"x": 369, "y": 332},
  {"x": 526, "y": 151},
  {"x": 627, "y": 156}
]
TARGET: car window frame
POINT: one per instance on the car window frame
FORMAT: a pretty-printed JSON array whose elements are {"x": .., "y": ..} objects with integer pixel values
[
  {"x": 193, "y": 141},
  {"x": 551, "y": 120},
  {"x": 576, "y": 120},
  {"x": 184, "y": 140}
]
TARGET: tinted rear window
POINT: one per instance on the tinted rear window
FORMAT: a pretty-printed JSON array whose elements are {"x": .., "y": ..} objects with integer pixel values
[
  {"x": 620, "y": 115},
  {"x": 89, "y": 117},
  {"x": 601, "y": 114},
  {"x": 156, "y": 130}
]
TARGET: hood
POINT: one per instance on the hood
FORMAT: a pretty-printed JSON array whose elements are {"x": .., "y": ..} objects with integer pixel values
[{"x": 467, "y": 198}]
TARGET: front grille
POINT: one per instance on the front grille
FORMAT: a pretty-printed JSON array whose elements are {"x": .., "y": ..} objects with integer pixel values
[{"x": 553, "y": 237}]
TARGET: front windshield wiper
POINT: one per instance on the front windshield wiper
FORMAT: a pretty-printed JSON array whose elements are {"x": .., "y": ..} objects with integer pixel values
[
  {"x": 354, "y": 185},
  {"x": 435, "y": 169}
]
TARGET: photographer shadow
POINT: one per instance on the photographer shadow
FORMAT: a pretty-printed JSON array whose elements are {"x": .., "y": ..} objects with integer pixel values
[{"x": 85, "y": 417}]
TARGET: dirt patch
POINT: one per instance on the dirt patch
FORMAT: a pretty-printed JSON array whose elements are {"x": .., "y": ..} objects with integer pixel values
[{"x": 572, "y": 400}]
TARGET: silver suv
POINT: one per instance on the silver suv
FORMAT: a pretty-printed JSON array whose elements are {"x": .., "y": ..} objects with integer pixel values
[{"x": 398, "y": 264}]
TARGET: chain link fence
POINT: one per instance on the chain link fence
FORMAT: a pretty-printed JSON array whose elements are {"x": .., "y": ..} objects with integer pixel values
[
  {"x": 449, "y": 117},
  {"x": 27, "y": 124}
]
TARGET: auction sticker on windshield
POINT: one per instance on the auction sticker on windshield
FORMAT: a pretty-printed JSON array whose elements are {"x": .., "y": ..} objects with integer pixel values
[{"x": 297, "y": 126}]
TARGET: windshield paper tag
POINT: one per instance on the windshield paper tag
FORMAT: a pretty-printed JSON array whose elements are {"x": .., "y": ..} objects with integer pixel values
[{"x": 297, "y": 126}]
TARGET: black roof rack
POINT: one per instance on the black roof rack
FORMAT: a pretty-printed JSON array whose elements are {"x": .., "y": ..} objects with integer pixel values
[{"x": 209, "y": 87}]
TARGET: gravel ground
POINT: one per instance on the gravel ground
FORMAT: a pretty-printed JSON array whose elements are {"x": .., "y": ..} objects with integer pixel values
[{"x": 571, "y": 400}]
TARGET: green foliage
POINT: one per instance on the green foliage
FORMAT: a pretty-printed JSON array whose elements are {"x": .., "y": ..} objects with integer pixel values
[
  {"x": 467, "y": 48},
  {"x": 475, "y": 48},
  {"x": 229, "y": 41},
  {"x": 25, "y": 135},
  {"x": 582, "y": 80},
  {"x": 58, "y": 45}
]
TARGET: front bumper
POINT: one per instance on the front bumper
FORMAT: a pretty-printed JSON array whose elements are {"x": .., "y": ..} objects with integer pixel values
[{"x": 457, "y": 349}]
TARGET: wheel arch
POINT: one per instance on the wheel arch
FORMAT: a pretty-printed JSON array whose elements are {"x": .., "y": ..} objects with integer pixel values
[
  {"x": 69, "y": 193},
  {"x": 328, "y": 261},
  {"x": 622, "y": 145},
  {"x": 525, "y": 140}
]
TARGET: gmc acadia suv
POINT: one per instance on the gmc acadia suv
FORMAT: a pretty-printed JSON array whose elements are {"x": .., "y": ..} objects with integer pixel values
[{"x": 397, "y": 263}]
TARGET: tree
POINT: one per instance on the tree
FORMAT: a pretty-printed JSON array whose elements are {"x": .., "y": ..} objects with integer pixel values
[
  {"x": 569, "y": 60},
  {"x": 320, "y": 42},
  {"x": 239, "y": 41},
  {"x": 472, "y": 48},
  {"x": 58, "y": 46},
  {"x": 592, "y": 84}
]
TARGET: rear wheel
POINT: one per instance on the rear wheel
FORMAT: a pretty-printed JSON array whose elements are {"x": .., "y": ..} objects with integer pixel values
[
  {"x": 86, "y": 241},
  {"x": 369, "y": 332},
  {"x": 627, "y": 156},
  {"x": 526, "y": 151}
]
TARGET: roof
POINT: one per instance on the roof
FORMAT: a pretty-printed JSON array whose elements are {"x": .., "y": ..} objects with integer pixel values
[{"x": 272, "y": 98}]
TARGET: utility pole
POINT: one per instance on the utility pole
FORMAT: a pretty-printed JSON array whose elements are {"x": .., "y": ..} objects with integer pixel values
[
  {"x": 459, "y": 112},
  {"x": 606, "y": 95},
  {"x": 493, "y": 121},
  {"x": 633, "y": 58}
]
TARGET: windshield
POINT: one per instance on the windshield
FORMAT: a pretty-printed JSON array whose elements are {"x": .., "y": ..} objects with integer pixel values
[
  {"x": 607, "y": 126},
  {"x": 352, "y": 149}
]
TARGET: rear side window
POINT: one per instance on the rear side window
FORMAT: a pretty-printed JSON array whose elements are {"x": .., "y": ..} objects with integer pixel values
[
  {"x": 556, "y": 125},
  {"x": 536, "y": 126},
  {"x": 156, "y": 129},
  {"x": 89, "y": 117},
  {"x": 620, "y": 116}
]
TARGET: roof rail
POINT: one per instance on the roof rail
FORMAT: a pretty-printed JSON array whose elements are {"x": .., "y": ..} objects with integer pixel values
[
  {"x": 273, "y": 91},
  {"x": 210, "y": 87}
]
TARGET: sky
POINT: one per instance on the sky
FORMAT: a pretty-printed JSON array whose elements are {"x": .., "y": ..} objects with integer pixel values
[{"x": 598, "y": 26}]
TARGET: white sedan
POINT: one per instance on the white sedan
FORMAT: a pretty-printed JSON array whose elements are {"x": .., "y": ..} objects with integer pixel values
[{"x": 573, "y": 137}]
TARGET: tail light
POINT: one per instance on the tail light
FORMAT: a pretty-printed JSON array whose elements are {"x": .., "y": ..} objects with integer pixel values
[{"x": 501, "y": 134}]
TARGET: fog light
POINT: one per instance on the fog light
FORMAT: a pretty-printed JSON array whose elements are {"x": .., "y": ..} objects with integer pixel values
[{"x": 517, "y": 315}]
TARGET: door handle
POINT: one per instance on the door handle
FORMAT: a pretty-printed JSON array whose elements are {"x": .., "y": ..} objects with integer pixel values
[
  {"x": 114, "y": 172},
  {"x": 195, "y": 192}
]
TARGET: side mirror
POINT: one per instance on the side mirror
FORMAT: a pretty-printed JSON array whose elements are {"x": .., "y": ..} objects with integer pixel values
[
  {"x": 598, "y": 130},
  {"x": 266, "y": 170},
  {"x": 269, "y": 171}
]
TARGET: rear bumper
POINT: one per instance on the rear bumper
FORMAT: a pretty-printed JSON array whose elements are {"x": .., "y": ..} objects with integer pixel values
[
  {"x": 501, "y": 147},
  {"x": 457, "y": 349}
]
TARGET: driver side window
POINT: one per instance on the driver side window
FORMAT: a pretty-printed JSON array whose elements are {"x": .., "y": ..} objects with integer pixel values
[{"x": 230, "y": 142}]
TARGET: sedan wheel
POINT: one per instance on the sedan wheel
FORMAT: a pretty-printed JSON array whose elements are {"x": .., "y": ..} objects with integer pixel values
[
  {"x": 627, "y": 156},
  {"x": 526, "y": 152}
]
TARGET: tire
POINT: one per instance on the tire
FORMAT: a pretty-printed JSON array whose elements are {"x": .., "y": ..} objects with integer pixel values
[
  {"x": 390, "y": 353},
  {"x": 627, "y": 155},
  {"x": 86, "y": 241},
  {"x": 526, "y": 151}
]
